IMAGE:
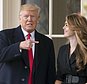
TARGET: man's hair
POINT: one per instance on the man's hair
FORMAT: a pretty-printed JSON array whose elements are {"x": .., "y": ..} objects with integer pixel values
[{"x": 30, "y": 7}]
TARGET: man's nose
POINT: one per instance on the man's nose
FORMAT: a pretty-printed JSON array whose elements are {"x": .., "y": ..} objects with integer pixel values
[{"x": 29, "y": 18}]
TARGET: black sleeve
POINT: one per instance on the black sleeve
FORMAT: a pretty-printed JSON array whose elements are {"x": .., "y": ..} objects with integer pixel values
[
  {"x": 51, "y": 68},
  {"x": 8, "y": 50}
]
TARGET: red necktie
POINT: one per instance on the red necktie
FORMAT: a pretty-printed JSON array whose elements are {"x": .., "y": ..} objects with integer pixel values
[{"x": 30, "y": 56}]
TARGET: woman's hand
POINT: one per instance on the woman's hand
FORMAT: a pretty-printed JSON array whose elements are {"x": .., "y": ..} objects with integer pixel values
[{"x": 58, "y": 82}]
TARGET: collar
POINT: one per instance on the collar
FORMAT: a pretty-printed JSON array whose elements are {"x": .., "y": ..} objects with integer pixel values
[{"x": 26, "y": 33}]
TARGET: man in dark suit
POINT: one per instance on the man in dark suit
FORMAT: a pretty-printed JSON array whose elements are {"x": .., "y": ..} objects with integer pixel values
[{"x": 14, "y": 47}]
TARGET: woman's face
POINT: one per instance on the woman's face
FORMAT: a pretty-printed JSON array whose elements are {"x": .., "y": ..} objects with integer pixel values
[{"x": 67, "y": 30}]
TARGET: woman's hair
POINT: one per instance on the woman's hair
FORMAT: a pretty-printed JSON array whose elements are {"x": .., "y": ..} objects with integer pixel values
[{"x": 78, "y": 24}]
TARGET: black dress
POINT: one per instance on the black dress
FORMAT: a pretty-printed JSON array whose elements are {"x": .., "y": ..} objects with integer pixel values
[{"x": 66, "y": 68}]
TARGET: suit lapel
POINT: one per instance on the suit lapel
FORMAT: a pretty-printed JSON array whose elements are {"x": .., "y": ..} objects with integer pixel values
[
  {"x": 37, "y": 52},
  {"x": 18, "y": 37},
  {"x": 73, "y": 58},
  {"x": 67, "y": 57}
]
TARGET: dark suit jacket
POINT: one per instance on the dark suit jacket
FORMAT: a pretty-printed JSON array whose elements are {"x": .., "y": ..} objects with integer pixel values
[
  {"x": 66, "y": 65},
  {"x": 14, "y": 65}
]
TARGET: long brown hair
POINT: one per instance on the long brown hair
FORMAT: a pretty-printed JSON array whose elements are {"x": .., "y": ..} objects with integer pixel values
[{"x": 79, "y": 26}]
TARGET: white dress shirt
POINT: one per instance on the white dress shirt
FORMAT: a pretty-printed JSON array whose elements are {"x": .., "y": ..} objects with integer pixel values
[{"x": 32, "y": 37}]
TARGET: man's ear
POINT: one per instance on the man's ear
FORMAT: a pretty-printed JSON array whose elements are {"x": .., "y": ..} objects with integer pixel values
[{"x": 38, "y": 19}]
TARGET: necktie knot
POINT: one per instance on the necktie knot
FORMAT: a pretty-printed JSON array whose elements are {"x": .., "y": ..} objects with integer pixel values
[{"x": 28, "y": 36}]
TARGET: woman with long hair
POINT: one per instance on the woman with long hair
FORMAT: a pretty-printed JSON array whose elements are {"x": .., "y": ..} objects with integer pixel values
[{"x": 72, "y": 57}]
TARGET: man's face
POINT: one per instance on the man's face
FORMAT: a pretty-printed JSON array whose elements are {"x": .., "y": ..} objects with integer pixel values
[{"x": 29, "y": 20}]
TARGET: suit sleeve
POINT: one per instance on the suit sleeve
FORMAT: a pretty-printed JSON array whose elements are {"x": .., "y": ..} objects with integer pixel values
[
  {"x": 8, "y": 51},
  {"x": 51, "y": 68}
]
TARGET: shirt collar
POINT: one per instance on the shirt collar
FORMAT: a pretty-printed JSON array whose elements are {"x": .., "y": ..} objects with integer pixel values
[{"x": 26, "y": 33}]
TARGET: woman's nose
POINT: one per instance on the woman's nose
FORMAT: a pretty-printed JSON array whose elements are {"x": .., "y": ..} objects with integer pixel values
[{"x": 63, "y": 27}]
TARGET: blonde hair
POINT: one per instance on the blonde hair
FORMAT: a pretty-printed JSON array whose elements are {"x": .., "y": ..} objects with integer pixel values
[
  {"x": 79, "y": 24},
  {"x": 30, "y": 7}
]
